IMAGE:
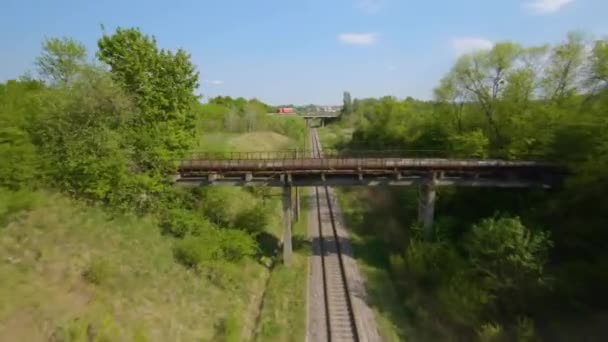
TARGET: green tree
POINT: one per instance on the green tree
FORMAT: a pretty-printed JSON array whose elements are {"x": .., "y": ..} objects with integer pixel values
[
  {"x": 598, "y": 80},
  {"x": 347, "y": 103},
  {"x": 482, "y": 77},
  {"x": 253, "y": 220},
  {"x": 473, "y": 144},
  {"x": 163, "y": 84},
  {"x": 20, "y": 162},
  {"x": 562, "y": 77},
  {"x": 508, "y": 257},
  {"x": 79, "y": 134},
  {"x": 448, "y": 93},
  {"x": 61, "y": 60}
]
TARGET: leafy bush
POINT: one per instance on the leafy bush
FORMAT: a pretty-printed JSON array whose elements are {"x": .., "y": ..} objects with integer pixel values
[
  {"x": 472, "y": 144},
  {"x": 429, "y": 263},
  {"x": 463, "y": 299},
  {"x": 507, "y": 256},
  {"x": 229, "y": 245},
  {"x": 19, "y": 160},
  {"x": 236, "y": 245},
  {"x": 215, "y": 205},
  {"x": 193, "y": 250},
  {"x": 182, "y": 222},
  {"x": 254, "y": 220}
]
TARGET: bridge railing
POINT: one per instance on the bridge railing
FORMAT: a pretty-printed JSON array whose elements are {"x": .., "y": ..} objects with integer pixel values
[{"x": 307, "y": 154}]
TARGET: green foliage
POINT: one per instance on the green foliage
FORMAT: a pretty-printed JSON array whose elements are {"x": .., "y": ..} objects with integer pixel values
[
  {"x": 15, "y": 202},
  {"x": 214, "y": 245},
  {"x": 253, "y": 220},
  {"x": 599, "y": 66},
  {"x": 426, "y": 264},
  {"x": 463, "y": 299},
  {"x": 215, "y": 205},
  {"x": 79, "y": 136},
  {"x": 61, "y": 60},
  {"x": 20, "y": 161},
  {"x": 239, "y": 115},
  {"x": 472, "y": 144},
  {"x": 182, "y": 222},
  {"x": 506, "y": 255},
  {"x": 347, "y": 106},
  {"x": 236, "y": 245},
  {"x": 162, "y": 84}
]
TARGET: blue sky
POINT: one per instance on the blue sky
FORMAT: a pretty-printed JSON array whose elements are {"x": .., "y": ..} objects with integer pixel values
[{"x": 305, "y": 51}]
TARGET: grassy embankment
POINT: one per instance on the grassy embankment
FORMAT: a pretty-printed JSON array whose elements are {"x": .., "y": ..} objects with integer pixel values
[
  {"x": 283, "y": 307},
  {"x": 370, "y": 251},
  {"x": 69, "y": 271},
  {"x": 283, "y": 315}
]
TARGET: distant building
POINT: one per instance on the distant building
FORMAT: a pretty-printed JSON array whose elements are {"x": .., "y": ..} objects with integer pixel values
[{"x": 286, "y": 110}]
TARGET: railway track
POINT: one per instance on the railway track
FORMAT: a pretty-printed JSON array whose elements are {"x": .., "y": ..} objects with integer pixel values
[{"x": 340, "y": 322}]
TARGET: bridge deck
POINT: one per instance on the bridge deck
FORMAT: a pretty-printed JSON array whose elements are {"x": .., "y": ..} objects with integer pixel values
[{"x": 273, "y": 170}]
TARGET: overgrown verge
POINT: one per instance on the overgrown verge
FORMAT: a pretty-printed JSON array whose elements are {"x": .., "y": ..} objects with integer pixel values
[
  {"x": 283, "y": 310},
  {"x": 466, "y": 288},
  {"x": 72, "y": 271}
]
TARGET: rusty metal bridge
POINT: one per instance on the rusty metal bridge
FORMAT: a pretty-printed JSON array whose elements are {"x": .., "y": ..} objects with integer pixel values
[
  {"x": 364, "y": 168},
  {"x": 424, "y": 169}
]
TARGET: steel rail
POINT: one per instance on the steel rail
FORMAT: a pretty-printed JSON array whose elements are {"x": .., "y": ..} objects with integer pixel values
[{"x": 333, "y": 322}]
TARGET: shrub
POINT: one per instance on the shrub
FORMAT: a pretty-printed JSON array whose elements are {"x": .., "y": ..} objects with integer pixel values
[
  {"x": 181, "y": 222},
  {"x": 236, "y": 245},
  {"x": 193, "y": 250},
  {"x": 506, "y": 254},
  {"x": 429, "y": 263},
  {"x": 253, "y": 221},
  {"x": 470, "y": 144},
  {"x": 228, "y": 245},
  {"x": 463, "y": 299},
  {"x": 216, "y": 204}
]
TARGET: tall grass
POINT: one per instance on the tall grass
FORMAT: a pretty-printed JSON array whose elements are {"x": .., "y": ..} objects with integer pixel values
[{"x": 69, "y": 270}]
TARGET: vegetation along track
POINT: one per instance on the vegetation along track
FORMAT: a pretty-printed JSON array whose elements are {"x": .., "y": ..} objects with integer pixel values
[{"x": 340, "y": 323}]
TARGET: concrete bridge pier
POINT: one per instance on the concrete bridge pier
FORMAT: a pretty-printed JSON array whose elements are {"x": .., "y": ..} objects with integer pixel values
[
  {"x": 287, "y": 225},
  {"x": 427, "y": 196},
  {"x": 296, "y": 207}
]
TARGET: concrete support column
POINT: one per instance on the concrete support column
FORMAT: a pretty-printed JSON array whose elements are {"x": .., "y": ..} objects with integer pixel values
[
  {"x": 426, "y": 207},
  {"x": 297, "y": 206},
  {"x": 287, "y": 223}
]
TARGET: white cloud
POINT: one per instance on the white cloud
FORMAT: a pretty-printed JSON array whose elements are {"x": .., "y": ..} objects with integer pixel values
[
  {"x": 545, "y": 6},
  {"x": 357, "y": 38},
  {"x": 213, "y": 82},
  {"x": 369, "y": 6},
  {"x": 470, "y": 44}
]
